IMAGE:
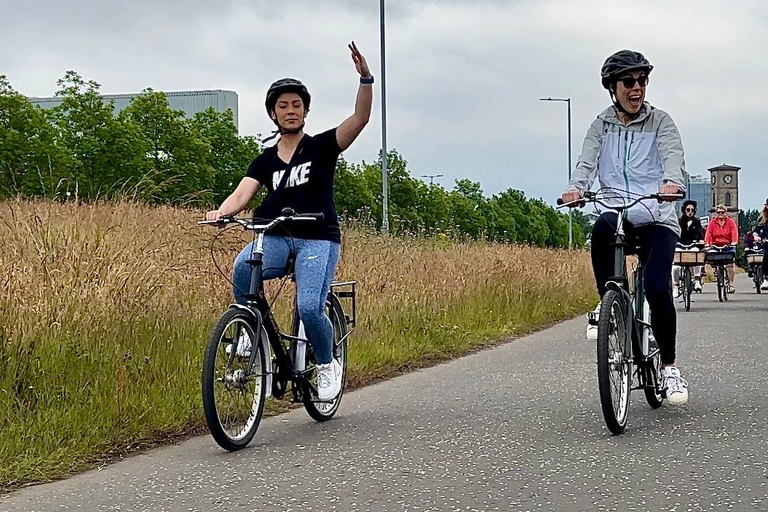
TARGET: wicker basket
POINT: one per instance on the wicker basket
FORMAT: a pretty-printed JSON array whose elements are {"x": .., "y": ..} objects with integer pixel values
[
  {"x": 689, "y": 258},
  {"x": 755, "y": 259}
]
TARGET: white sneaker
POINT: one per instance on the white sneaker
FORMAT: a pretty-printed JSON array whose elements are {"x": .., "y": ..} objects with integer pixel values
[
  {"x": 328, "y": 380},
  {"x": 764, "y": 286},
  {"x": 592, "y": 318},
  {"x": 676, "y": 291},
  {"x": 696, "y": 286},
  {"x": 243, "y": 346},
  {"x": 675, "y": 386}
]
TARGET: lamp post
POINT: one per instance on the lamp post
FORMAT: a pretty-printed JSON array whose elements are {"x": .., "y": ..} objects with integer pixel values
[
  {"x": 384, "y": 155},
  {"x": 431, "y": 177},
  {"x": 570, "y": 211}
]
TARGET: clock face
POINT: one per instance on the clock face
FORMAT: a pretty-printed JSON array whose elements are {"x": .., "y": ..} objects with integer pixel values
[{"x": 728, "y": 179}]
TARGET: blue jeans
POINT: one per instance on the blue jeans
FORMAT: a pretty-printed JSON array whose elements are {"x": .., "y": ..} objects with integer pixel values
[{"x": 316, "y": 262}]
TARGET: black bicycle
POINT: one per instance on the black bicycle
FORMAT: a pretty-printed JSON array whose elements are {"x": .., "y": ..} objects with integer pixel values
[
  {"x": 248, "y": 358},
  {"x": 755, "y": 261},
  {"x": 625, "y": 345},
  {"x": 719, "y": 257},
  {"x": 687, "y": 257}
]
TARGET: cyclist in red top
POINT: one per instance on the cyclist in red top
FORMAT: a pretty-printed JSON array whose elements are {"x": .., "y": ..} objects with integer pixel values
[{"x": 723, "y": 231}]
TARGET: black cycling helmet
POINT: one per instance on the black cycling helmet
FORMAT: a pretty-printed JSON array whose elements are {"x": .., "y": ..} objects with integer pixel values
[
  {"x": 621, "y": 62},
  {"x": 690, "y": 202},
  {"x": 286, "y": 85}
]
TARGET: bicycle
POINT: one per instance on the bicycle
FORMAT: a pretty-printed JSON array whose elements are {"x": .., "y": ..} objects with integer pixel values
[
  {"x": 624, "y": 333},
  {"x": 718, "y": 258},
  {"x": 755, "y": 262},
  {"x": 687, "y": 257},
  {"x": 242, "y": 369}
]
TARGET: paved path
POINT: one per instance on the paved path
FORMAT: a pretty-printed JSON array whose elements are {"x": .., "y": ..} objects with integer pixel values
[{"x": 514, "y": 428}]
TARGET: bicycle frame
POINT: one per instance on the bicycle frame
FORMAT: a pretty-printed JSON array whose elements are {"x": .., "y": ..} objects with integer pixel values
[
  {"x": 290, "y": 363},
  {"x": 636, "y": 339}
]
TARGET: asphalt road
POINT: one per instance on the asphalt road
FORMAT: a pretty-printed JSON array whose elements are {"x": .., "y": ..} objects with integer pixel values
[{"x": 517, "y": 427}]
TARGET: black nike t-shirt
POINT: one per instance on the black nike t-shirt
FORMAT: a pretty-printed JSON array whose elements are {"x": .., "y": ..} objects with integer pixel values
[{"x": 308, "y": 187}]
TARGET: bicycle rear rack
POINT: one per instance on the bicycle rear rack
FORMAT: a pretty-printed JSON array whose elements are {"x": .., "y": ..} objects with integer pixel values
[{"x": 347, "y": 290}]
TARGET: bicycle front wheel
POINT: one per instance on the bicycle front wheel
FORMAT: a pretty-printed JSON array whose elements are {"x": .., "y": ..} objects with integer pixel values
[
  {"x": 720, "y": 284},
  {"x": 234, "y": 394},
  {"x": 758, "y": 272},
  {"x": 688, "y": 288},
  {"x": 323, "y": 411},
  {"x": 614, "y": 370}
]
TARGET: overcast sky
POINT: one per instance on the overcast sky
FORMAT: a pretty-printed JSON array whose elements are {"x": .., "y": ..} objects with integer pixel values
[{"x": 464, "y": 77}]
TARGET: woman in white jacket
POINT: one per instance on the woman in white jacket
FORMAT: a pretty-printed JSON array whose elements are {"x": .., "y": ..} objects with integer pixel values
[{"x": 635, "y": 149}]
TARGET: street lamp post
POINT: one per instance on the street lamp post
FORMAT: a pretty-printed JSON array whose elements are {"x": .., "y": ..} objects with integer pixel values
[
  {"x": 570, "y": 210},
  {"x": 431, "y": 177},
  {"x": 384, "y": 155}
]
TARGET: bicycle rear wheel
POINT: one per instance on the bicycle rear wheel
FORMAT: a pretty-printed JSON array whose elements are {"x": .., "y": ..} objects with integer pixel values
[
  {"x": 614, "y": 370},
  {"x": 323, "y": 411},
  {"x": 233, "y": 397},
  {"x": 652, "y": 378}
]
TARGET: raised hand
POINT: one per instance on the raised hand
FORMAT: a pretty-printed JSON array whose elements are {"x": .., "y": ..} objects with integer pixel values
[{"x": 360, "y": 63}]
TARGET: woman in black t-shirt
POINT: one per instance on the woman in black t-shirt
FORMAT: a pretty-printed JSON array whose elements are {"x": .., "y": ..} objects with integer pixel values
[
  {"x": 691, "y": 231},
  {"x": 298, "y": 173}
]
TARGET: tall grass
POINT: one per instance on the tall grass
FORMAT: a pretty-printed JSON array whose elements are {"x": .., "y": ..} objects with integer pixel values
[{"x": 105, "y": 309}]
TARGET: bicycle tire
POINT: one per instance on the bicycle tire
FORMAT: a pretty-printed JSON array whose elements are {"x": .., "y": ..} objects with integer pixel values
[
  {"x": 758, "y": 272},
  {"x": 688, "y": 288},
  {"x": 652, "y": 382},
  {"x": 720, "y": 284},
  {"x": 320, "y": 411},
  {"x": 610, "y": 356},
  {"x": 215, "y": 385}
]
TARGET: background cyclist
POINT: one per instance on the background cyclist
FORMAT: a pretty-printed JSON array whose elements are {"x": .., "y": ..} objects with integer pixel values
[
  {"x": 635, "y": 148},
  {"x": 690, "y": 232},
  {"x": 298, "y": 173},
  {"x": 761, "y": 237},
  {"x": 722, "y": 231}
]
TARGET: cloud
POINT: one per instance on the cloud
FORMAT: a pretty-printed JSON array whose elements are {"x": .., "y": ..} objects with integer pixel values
[{"x": 464, "y": 78}]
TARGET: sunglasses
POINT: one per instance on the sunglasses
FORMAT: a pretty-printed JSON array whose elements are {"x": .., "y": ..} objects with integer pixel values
[
  {"x": 720, "y": 212},
  {"x": 630, "y": 81},
  {"x": 690, "y": 210}
]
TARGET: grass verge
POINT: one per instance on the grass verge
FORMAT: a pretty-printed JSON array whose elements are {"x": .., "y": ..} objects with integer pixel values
[{"x": 105, "y": 309}]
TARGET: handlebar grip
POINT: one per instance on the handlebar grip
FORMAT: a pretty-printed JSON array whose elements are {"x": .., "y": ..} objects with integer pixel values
[
  {"x": 318, "y": 216},
  {"x": 225, "y": 219}
]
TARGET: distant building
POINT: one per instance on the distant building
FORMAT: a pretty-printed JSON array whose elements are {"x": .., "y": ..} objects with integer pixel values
[
  {"x": 725, "y": 188},
  {"x": 189, "y": 102},
  {"x": 697, "y": 188}
]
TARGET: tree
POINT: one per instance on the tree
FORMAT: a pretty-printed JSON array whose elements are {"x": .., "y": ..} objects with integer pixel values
[
  {"x": 351, "y": 193},
  {"x": 746, "y": 219},
  {"x": 30, "y": 159},
  {"x": 103, "y": 153},
  {"x": 178, "y": 162},
  {"x": 228, "y": 153}
]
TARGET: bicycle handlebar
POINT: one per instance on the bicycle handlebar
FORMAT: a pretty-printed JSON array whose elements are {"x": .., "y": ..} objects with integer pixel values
[
  {"x": 249, "y": 225},
  {"x": 591, "y": 197},
  {"x": 698, "y": 245}
]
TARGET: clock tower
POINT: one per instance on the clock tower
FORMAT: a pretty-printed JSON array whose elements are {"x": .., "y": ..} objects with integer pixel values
[{"x": 725, "y": 189}]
